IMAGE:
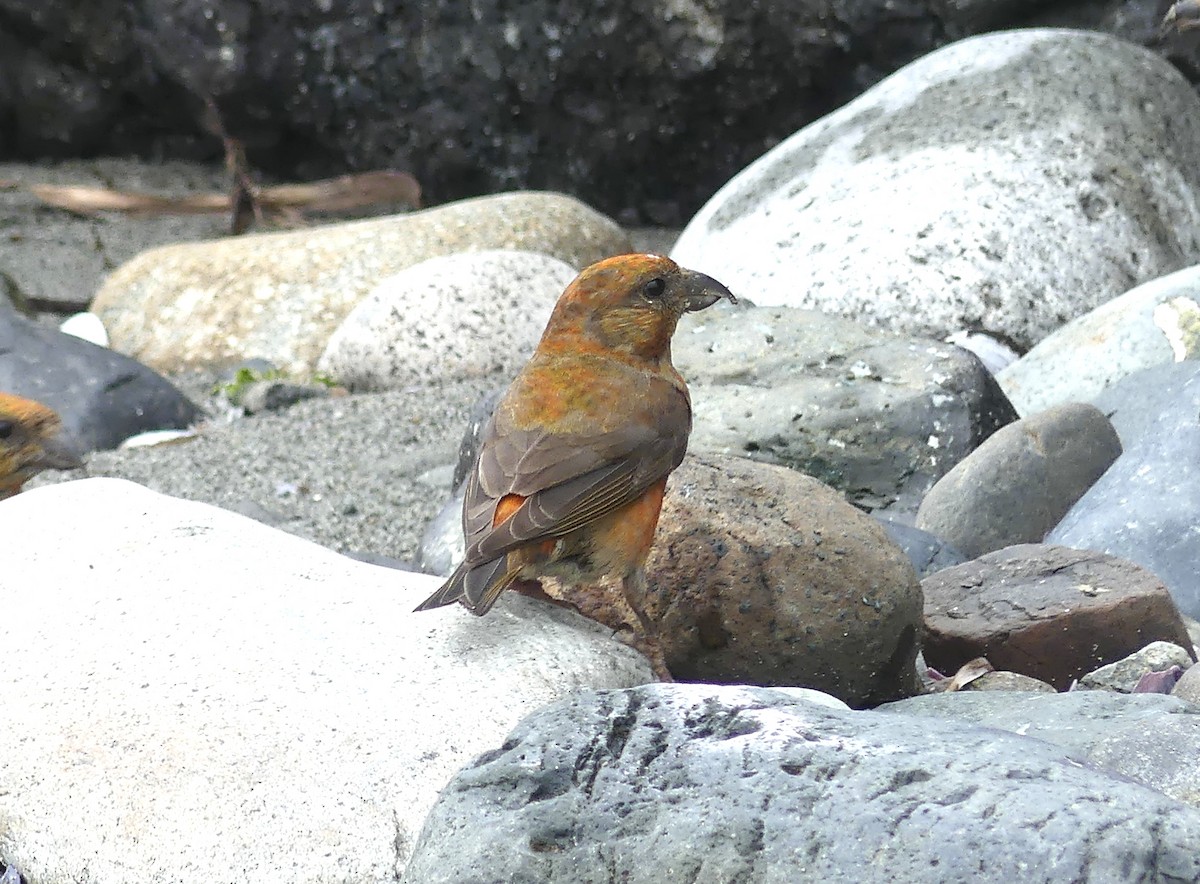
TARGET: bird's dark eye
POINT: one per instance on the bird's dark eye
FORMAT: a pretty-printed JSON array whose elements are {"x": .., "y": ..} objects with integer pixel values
[
  {"x": 6, "y": 429},
  {"x": 654, "y": 288}
]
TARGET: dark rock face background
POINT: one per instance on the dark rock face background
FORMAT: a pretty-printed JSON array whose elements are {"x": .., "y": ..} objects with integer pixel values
[{"x": 641, "y": 109}]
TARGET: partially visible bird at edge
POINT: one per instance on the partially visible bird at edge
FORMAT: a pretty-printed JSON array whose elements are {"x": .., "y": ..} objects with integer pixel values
[
  {"x": 572, "y": 467},
  {"x": 31, "y": 440}
]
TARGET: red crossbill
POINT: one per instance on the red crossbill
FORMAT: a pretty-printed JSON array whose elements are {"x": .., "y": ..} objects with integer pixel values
[
  {"x": 572, "y": 466},
  {"x": 30, "y": 441}
]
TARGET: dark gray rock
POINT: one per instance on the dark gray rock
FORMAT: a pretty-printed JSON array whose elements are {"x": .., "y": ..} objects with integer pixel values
[
  {"x": 1147, "y": 506},
  {"x": 1047, "y": 612},
  {"x": 1018, "y": 484},
  {"x": 275, "y": 395},
  {"x": 1151, "y": 738},
  {"x": 102, "y": 396},
  {"x": 876, "y": 415},
  {"x": 682, "y": 783}
]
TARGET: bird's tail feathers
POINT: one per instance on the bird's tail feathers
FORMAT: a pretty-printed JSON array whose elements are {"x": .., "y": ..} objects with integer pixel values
[{"x": 476, "y": 587}]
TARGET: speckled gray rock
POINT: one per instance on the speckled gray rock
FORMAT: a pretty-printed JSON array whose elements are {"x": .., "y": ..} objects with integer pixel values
[
  {"x": 1147, "y": 506},
  {"x": 1044, "y": 611},
  {"x": 1123, "y": 675},
  {"x": 968, "y": 190},
  {"x": 1153, "y": 324},
  {"x": 280, "y": 296},
  {"x": 878, "y": 416},
  {"x": 1188, "y": 687},
  {"x": 1019, "y": 483},
  {"x": 1150, "y": 738},
  {"x": 471, "y": 314},
  {"x": 683, "y": 783},
  {"x": 204, "y": 683}
]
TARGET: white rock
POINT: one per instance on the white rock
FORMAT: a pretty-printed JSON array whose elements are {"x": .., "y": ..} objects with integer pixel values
[
  {"x": 86, "y": 326},
  {"x": 995, "y": 355},
  {"x": 465, "y": 315},
  {"x": 1006, "y": 183},
  {"x": 152, "y": 438},
  {"x": 193, "y": 696},
  {"x": 1140, "y": 329}
]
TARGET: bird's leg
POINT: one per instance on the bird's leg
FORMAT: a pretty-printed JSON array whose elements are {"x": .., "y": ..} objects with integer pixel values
[
  {"x": 533, "y": 589},
  {"x": 633, "y": 588}
]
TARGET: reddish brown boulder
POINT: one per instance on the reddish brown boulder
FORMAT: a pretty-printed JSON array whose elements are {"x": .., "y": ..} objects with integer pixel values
[
  {"x": 762, "y": 575},
  {"x": 1049, "y": 612}
]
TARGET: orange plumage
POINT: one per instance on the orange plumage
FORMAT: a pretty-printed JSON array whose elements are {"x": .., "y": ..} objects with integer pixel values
[
  {"x": 572, "y": 467},
  {"x": 30, "y": 441}
]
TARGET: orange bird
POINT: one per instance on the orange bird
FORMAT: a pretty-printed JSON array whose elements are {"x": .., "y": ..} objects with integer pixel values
[
  {"x": 30, "y": 441},
  {"x": 572, "y": 466}
]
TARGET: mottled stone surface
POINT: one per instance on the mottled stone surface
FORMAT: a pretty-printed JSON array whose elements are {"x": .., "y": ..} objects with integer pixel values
[
  {"x": 467, "y": 315},
  {"x": 969, "y": 190},
  {"x": 878, "y": 416},
  {"x": 1125, "y": 674},
  {"x": 1144, "y": 327},
  {"x": 1149, "y": 738},
  {"x": 667, "y": 784}
]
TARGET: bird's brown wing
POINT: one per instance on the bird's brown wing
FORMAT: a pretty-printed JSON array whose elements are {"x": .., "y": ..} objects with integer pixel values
[{"x": 568, "y": 480}]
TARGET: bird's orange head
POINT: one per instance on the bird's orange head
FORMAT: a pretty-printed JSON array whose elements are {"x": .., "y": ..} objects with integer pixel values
[
  {"x": 30, "y": 441},
  {"x": 629, "y": 304}
]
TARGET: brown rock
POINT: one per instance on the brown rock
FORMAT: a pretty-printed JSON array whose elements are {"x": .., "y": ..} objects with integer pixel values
[
  {"x": 279, "y": 296},
  {"x": 765, "y": 576},
  {"x": 1048, "y": 612}
]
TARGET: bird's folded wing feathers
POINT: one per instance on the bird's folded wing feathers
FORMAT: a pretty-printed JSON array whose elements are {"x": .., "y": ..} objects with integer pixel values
[
  {"x": 560, "y": 510},
  {"x": 558, "y": 497}
]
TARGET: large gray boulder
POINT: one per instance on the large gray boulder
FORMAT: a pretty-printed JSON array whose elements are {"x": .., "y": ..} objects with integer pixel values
[
  {"x": 1006, "y": 183},
  {"x": 684, "y": 783}
]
